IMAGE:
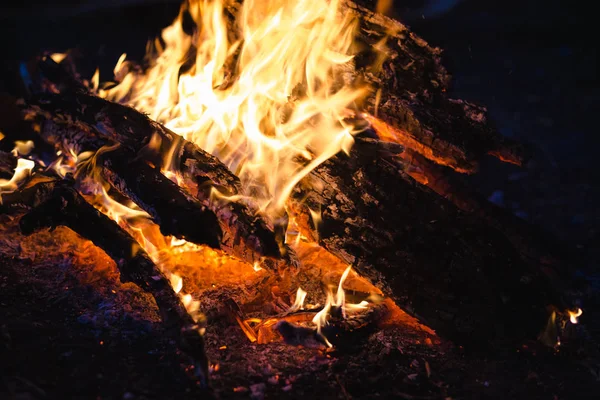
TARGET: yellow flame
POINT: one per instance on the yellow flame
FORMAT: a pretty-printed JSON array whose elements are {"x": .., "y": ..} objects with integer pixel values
[
  {"x": 256, "y": 266},
  {"x": 22, "y": 172},
  {"x": 339, "y": 300},
  {"x": 573, "y": 315},
  {"x": 176, "y": 283},
  {"x": 283, "y": 112},
  {"x": 299, "y": 302},
  {"x": 22, "y": 148},
  {"x": 58, "y": 57}
]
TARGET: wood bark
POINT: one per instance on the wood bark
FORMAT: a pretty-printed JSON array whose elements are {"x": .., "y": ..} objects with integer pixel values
[
  {"x": 172, "y": 209},
  {"x": 52, "y": 201},
  {"x": 459, "y": 274},
  {"x": 89, "y": 123},
  {"x": 413, "y": 98},
  {"x": 409, "y": 93}
]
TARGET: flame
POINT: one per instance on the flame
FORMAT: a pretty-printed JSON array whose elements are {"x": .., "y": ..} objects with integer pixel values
[
  {"x": 299, "y": 302},
  {"x": 22, "y": 172},
  {"x": 22, "y": 148},
  {"x": 339, "y": 300},
  {"x": 58, "y": 57},
  {"x": 573, "y": 315},
  {"x": 283, "y": 112},
  {"x": 256, "y": 266}
]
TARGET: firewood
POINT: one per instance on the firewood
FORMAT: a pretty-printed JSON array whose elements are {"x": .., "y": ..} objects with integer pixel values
[
  {"x": 529, "y": 240},
  {"x": 410, "y": 93},
  {"x": 172, "y": 209},
  {"x": 89, "y": 123},
  {"x": 64, "y": 206},
  {"x": 410, "y": 96},
  {"x": 460, "y": 275}
]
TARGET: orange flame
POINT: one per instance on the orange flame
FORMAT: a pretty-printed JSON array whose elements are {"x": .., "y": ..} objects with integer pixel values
[
  {"x": 573, "y": 315},
  {"x": 283, "y": 113}
]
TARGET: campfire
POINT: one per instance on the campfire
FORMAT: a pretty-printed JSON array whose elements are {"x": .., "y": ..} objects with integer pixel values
[{"x": 287, "y": 169}]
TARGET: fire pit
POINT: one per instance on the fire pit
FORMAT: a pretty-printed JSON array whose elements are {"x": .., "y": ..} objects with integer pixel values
[{"x": 273, "y": 198}]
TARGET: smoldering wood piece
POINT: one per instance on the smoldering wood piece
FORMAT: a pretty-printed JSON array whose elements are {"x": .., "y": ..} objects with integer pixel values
[
  {"x": 88, "y": 123},
  {"x": 64, "y": 206},
  {"x": 175, "y": 211},
  {"x": 340, "y": 331},
  {"x": 51, "y": 76},
  {"x": 414, "y": 99},
  {"x": 529, "y": 240},
  {"x": 453, "y": 270},
  {"x": 238, "y": 315}
]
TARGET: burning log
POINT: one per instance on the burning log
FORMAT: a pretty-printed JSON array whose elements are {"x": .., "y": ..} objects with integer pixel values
[
  {"x": 90, "y": 123},
  {"x": 53, "y": 202},
  {"x": 527, "y": 239},
  {"x": 175, "y": 211},
  {"x": 411, "y": 101},
  {"x": 409, "y": 98},
  {"x": 453, "y": 270},
  {"x": 364, "y": 222}
]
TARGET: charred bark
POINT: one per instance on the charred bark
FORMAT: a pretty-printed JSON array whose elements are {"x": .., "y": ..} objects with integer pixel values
[
  {"x": 413, "y": 96},
  {"x": 51, "y": 201},
  {"x": 453, "y": 270},
  {"x": 175, "y": 211},
  {"x": 64, "y": 206},
  {"x": 87, "y": 122}
]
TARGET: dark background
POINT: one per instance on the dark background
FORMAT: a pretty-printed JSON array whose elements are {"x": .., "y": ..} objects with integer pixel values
[{"x": 532, "y": 63}]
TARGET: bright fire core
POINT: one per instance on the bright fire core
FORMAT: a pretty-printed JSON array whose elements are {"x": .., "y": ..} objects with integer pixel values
[
  {"x": 265, "y": 93},
  {"x": 265, "y": 86}
]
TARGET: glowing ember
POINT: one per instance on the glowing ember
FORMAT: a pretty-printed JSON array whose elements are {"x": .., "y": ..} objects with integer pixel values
[{"x": 283, "y": 112}]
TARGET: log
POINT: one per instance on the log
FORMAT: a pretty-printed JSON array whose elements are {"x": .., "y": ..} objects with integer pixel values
[
  {"x": 62, "y": 205},
  {"x": 51, "y": 201},
  {"x": 413, "y": 96},
  {"x": 90, "y": 123},
  {"x": 451, "y": 269},
  {"x": 172, "y": 209},
  {"x": 410, "y": 93},
  {"x": 529, "y": 240}
]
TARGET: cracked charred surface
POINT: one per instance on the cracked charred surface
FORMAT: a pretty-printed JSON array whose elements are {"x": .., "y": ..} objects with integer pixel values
[
  {"x": 461, "y": 276},
  {"x": 89, "y": 123},
  {"x": 410, "y": 87}
]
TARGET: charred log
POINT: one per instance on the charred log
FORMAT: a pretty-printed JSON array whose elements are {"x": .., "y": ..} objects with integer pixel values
[
  {"x": 89, "y": 123},
  {"x": 457, "y": 273},
  {"x": 410, "y": 96},
  {"x": 175, "y": 211},
  {"x": 529, "y": 240},
  {"x": 64, "y": 206}
]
